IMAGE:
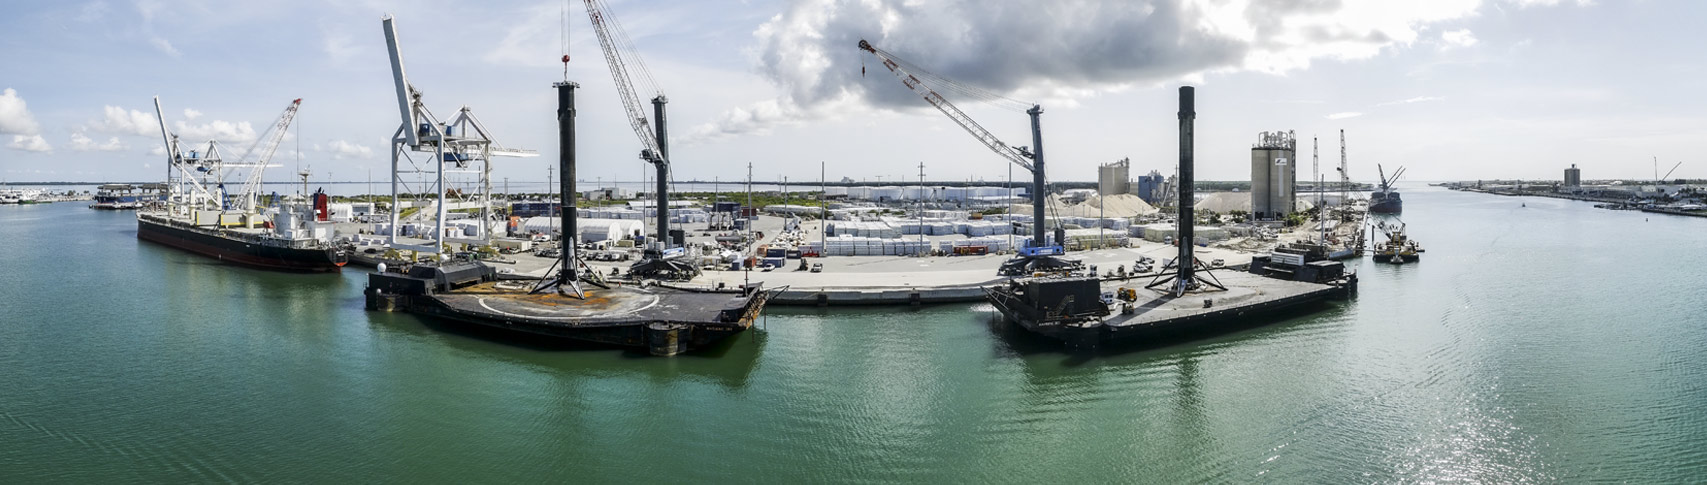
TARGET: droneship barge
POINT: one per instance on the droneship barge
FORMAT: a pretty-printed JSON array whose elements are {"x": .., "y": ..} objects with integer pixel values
[
  {"x": 662, "y": 320},
  {"x": 1189, "y": 300}
]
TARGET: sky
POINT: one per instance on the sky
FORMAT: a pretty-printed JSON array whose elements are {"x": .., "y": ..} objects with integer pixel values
[{"x": 1450, "y": 89}]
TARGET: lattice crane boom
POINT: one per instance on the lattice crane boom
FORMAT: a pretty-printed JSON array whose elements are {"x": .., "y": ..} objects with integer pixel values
[
  {"x": 619, "y": 74},
  {"x": 1019, "y": 156},
  {"x": 262, "y": 151}
]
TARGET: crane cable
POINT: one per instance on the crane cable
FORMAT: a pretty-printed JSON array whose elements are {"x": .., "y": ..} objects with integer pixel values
[{"x": 563, "y": 37}]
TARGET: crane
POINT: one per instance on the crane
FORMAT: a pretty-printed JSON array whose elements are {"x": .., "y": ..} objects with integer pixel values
[
  {"x": 1659, "y": 179},
  {"x": 621, "y": 58},
  {"x": 193, "y": 170},
  {"x": 262, "y": 152},
  {"x": 455, "y": 145},
  {"x": 1038, "y": 256}
]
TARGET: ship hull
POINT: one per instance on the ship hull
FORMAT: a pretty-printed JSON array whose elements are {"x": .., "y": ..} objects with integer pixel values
[
  {"x": 241, "y": 252},
  {"x": 1386, "y": 203}
]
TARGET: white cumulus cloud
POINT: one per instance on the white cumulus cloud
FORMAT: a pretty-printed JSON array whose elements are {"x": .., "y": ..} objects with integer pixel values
[
  {"x": 1458, "y": 38},
  {"x": 120, "y": 121},
  {"x": 340, "y": 149},
  {"x": 165, "y": 46},
  {"x": 1549, "y": 3},
  {"x": 1344, "y": 115},
  {"x": 30, "y": 143},
  {"x": 191, "y": 114},
  {"x": 224, "y": 131},
  {"x": 82, "y": 143},
  {"x": 15, "y": 118},
  {"x": 1418, "y": 99}
]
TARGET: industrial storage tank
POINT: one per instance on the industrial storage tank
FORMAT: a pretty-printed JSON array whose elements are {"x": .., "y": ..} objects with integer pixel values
[
  {"x": 885, "y": 193},
  {"x": 1274, "y": 174}
]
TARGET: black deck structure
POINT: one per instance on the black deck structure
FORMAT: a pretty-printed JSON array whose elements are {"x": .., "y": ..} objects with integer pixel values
[
  {"x": 1086, "y": 311},
  {"x": 663, "y": 320}
]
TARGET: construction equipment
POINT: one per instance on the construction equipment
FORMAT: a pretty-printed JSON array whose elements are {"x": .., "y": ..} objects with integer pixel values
[
  {"x": 1039, "y": 256},
  {"x": 456, "y": 145},
  {"x": 657, "y": 259}
]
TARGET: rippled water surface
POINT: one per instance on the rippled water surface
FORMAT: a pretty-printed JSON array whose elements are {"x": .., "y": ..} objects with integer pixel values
[{"x": 1554, "y": 342}]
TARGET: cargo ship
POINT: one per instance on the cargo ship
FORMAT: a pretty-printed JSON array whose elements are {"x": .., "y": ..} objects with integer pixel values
[
  {"x": 1385, "y": 200},
  {"x": 288, "y": 238},
  {"x": 202, "y": 217}
]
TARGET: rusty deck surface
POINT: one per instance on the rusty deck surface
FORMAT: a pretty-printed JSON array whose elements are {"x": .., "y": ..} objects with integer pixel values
[{"x": 620, "y": 305}]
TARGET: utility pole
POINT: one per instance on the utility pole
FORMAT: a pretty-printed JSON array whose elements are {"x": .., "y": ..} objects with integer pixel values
[
  {"x": 746, "y": 269},
  {"x": 921, "y": 214},
  {"x": 548, "y": 192},
  {"x": 823, "y": 208}
]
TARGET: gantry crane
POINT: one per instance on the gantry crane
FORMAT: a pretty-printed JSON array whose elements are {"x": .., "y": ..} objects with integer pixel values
[
  {"x": 1038, "y": 256},
  {"x": 455, "y": 145},
  {"x": 191, "y": 177},
  {"x": 199, "y": 174},
  {"x": 657, "y": 260}
]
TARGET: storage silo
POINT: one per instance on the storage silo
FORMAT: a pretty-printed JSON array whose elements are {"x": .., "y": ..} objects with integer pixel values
[{"x": 1274, "y": 175}]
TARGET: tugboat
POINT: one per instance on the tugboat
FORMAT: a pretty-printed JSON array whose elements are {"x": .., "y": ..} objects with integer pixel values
[
  {"x": 1385, "y": 200},
  {"x": 1398, "y": 249}
]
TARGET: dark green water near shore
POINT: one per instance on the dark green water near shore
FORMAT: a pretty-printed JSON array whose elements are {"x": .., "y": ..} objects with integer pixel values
[{"x": 1554, "y": 342}]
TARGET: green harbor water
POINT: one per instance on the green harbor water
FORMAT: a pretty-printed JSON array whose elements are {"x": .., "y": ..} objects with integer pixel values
[{"x": 1549, "y": 343}]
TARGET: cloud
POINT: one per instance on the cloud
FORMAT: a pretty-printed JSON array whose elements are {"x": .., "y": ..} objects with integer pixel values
[
  {"x": 1418, "y": 99},
  {"x": 1344, "y": 115},
  {"x": 30, "y": 143},
  {"x": 165, "y": 46},
  {"x": 158, "y": 151},
  {"x": 191, "y": 114},
  {"x": 808, "y": 51},
  {"x": 148, "y": 8},
  {"x": 15, "y": 118},
  {"x": 1549, "y": 3},
  {"x": 1458, "y": 38},
  {"x": 225, "y": 131},
  {"x": 341, "y": 149},
  {"x": 117, "y": 120},
  {"x": 524, "y": 42},
  {"x": 82, "y": 143},
  {"x": 91, "y": 11}
]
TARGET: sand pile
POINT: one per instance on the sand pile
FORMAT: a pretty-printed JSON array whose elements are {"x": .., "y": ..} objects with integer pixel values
[
  {"x": 1225, "y": 202},
  {"x": 1113, "y": 206}
]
